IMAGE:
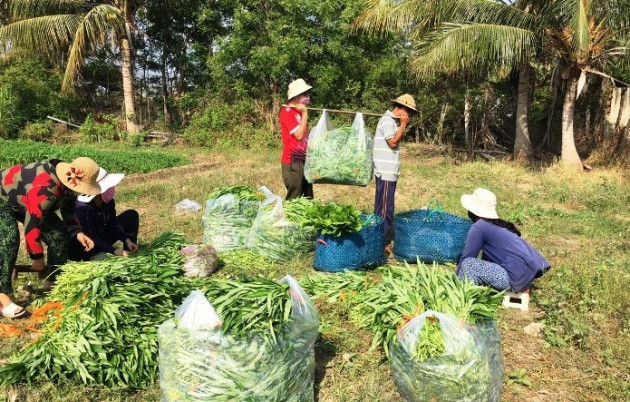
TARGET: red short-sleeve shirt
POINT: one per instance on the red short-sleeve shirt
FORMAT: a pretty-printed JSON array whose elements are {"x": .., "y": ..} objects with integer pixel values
[{"x": 292, "y": 149}]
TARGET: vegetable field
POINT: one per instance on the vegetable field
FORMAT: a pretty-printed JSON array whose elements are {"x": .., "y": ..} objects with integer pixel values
[
  {"x": 114, "y": 160},
  {"x": 579, "y": 222}
]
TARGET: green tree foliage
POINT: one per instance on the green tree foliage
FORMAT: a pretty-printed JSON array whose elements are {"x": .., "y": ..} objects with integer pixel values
[
  {"x": 276, "y": 41},
  {"x": 29, "y": 91}
]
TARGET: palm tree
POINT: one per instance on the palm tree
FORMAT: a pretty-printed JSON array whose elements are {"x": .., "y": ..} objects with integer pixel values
[
  {"x": 464, "y": 36},
  {"x": 69, "y": 30},
  {"x": 486, "y": 35}
]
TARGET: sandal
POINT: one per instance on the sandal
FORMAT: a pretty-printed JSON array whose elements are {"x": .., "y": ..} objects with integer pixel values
[{"x": 13, "y": 311}]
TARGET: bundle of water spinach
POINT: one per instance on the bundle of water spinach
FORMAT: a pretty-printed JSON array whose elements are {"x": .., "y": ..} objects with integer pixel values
[
  {"x": 263, "y": 351},
  {"x": 229, "y": 215}
]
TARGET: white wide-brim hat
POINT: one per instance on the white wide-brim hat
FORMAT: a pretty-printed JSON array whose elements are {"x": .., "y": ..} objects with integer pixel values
[
  {"x": 296, "y": 88},
  {"x": 105, "y": 181},
  {"x": 482, "y": 203}
]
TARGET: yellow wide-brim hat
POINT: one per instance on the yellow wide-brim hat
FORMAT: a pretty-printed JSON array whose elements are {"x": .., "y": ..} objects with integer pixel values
[{"x": 80, "y": 175}]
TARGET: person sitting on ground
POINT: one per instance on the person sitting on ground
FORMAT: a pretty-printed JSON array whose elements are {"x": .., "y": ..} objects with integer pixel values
[
  {"x": 32, "y": 193},
  {"x": 97, "y": 216},
  {"x": 508, "y": 261}
]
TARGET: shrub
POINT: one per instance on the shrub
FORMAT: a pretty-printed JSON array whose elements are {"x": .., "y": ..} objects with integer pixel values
[
  {"x": 101, "y": 128},
  {"x": 38, "y": 131}
]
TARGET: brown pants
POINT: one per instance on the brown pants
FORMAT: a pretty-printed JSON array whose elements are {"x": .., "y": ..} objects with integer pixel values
[{"x": 295, "y": 182}]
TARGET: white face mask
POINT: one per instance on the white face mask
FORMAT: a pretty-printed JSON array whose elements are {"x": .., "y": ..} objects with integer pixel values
[{"x": 305, "y": 100}]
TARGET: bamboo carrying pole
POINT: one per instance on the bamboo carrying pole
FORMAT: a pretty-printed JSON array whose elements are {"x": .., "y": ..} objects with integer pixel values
[{"x": 345, "y": 111}]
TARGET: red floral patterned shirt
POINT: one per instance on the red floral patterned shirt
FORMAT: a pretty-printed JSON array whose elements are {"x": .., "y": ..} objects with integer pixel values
[{"x": 33, "y": 191}]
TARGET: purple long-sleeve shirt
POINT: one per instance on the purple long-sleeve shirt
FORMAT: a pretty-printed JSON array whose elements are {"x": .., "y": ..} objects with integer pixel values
[{"x": 500, "y": 246}]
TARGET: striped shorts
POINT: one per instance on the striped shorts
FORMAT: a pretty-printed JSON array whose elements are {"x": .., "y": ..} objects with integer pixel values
[{"x": 484, "y": 273}]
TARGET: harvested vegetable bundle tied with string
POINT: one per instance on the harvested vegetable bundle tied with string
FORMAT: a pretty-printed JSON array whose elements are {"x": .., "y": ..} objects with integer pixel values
[
  {"x": 257, "y": 345},
  {"x": 339, "y": 156}
]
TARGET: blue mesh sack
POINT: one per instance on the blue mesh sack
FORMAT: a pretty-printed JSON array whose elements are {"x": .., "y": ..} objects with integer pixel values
[
  {"x": 430, "y": 234},
  {"x": 352, "y": 251}
]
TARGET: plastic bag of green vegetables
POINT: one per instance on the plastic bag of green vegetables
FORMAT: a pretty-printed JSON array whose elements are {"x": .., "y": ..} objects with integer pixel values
[
  {"x": 339, "y": 156},
  {"x": 438, "y": 358},
  {"x": 228, "y": 217},
  {"x": 210, "y": 364},
  {"x": 276, "y": 233}
]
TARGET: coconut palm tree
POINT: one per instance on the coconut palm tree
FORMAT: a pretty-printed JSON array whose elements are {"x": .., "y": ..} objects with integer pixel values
[
  {"x": 69, "y": 30},
  {"x": 486, "y": 35}
]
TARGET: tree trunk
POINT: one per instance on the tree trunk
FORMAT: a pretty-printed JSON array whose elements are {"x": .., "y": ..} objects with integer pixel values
[
  {"x": 440, "y": 125},
  {"x": 569, "y": 155},
  {"x": 275, "y": 105},
  {"x": 128, "y": 86},
  {"x": 522, "y": 142},
  {"x": 168, "y": 118},
  {"x": 467, "y": 109}
]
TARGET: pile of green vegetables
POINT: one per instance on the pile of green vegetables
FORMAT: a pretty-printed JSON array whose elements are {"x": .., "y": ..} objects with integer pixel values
[
  {"x": 263, "y": 350},
  {"x": 229, "y": 215},
  {"x": 106, "y": 332},
  {"x": 386, "y": 299},
  {"x": 340, "y": 156},
  {"x": 241, "y": 192},
  {"x": 332, "y": 219},
  {"x": 454, "y": 362}
]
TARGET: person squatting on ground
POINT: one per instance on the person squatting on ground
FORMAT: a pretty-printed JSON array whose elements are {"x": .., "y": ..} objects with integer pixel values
[
  {"x": 386, "y": 159},
  {"x": 32, "y": 193},
  {"x": 508, "y": 261},
  {"x": 294, "y": 128},
  {"x": 97, "y": 216}
]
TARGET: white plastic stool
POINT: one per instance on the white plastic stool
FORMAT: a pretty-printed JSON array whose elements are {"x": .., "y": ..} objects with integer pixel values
[{"x": 518, "y": 300}]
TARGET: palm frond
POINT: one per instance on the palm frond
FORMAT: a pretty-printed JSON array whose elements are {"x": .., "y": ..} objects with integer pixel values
[
  {"x": 93, "y": 31},
  {"x": 22, "y": 9},
  {"x": 420, "y": 16},
  {"x": 580, "y": 26},
  {"x": 475, "y": 48},
  {"x": 43, "y": 34}
]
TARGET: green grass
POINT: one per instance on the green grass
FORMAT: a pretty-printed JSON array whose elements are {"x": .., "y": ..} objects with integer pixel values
[
  {"x": 113, "y": 158},
  {"x": 580, "y": 222}
]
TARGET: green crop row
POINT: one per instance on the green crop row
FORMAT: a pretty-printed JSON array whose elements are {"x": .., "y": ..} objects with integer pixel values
[{"x": 123, "y": 160}]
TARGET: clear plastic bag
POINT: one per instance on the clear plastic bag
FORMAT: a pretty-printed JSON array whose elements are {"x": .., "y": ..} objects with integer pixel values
[
  {"x": 200, "y": 260},
  {"x": 227, "y": 221},
  {"x": 469, "y": 369},
  {"x": 277, "y": 238},
  {"x": 187, "y": 205},
  {"x": 339, "y": 156},
  {"x": 209, "y": 365}
]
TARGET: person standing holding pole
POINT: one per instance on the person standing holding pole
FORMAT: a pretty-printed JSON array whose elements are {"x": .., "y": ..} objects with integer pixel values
[
  {"x": 386, "y": 159},
  {"x": 294, "y": 127}
]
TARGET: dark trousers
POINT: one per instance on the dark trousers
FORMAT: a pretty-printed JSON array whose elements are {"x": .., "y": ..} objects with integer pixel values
[
  {"x": 295, "y": 182},
  {"x": 53, "y": 233},
  {"x": 384, "y": 204},
  {"x": 130, "y": 222}
]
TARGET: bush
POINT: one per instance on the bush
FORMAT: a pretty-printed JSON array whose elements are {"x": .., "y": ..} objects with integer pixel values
[
  {"x": 38, "y": 131},
  {"x": 224, "y": 126},
  {"x": 101, "y": 128},
  {"x": 29, "y": 92}
]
